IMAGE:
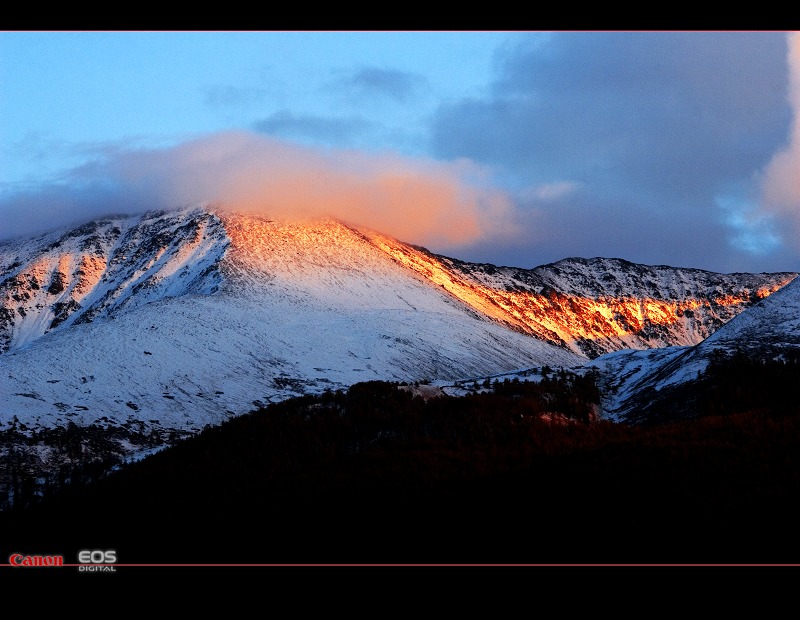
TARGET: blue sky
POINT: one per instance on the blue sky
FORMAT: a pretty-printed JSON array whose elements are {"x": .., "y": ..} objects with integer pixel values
[{"x": 515, "y": 148}]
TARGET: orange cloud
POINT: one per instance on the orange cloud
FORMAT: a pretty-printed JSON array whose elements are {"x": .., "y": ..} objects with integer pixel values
[{"x": 419, "y": 201}]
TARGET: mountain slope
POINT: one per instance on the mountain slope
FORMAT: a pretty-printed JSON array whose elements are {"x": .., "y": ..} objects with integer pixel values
[
  {"x": 181, "y": 319},
  {"x": 95, "y": 270},
  {"x": 266, "y": 310},
  {"x": 637, "y": 381},
  {"x": 588, "y": 306},
  {"x": 594, "y": 306}
]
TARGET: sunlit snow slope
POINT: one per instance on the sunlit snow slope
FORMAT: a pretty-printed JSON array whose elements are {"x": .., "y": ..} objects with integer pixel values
[
  {"x": 594, "y": 306},
  {"x": 181, "y": 319}
]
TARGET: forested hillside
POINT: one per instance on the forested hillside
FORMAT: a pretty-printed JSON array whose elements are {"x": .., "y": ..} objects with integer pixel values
[{"x": 519, "y": 473}]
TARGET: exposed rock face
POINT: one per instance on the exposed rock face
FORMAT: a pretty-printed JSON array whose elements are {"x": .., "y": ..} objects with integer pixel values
[
  {"x": 69, "y": 277},
  {"x": 594, "y": 306}
]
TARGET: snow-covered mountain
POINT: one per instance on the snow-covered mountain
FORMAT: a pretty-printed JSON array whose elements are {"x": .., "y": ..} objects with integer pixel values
[
  {"x": 181, "y": 319},
  {"x": 634, "y": 380},
  {"x": 594, "y": 306},
  {"x": 96, "y": 270}
]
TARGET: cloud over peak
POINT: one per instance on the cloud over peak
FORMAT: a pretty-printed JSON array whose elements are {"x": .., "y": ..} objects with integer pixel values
[{"x": 440, "y": 204}]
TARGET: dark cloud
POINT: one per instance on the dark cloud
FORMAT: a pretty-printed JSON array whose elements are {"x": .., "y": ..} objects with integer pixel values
[
  {"x": 652, "y": 126},
  {"x": 373, "y": 82},
  {"x": 51, "y": 206},
  {"x": 655, "y": 111},
  {"x": 80, "y": 193},
  {"x": 579, "y": 225},
  {"x": 334, "y": 130}
]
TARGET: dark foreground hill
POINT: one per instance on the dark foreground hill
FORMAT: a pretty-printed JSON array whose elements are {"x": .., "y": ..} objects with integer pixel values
[{"x": 524, "y": 475}]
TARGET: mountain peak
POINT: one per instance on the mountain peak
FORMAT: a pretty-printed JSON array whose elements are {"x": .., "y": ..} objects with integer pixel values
[
  {"x": 190, "y": 316},
  {"x": 193, "y": 316}
]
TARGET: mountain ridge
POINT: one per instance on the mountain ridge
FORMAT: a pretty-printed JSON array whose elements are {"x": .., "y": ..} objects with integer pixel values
[
  {"x": 190, "y": 316},
  {"x": 636, "y": 381},
  {"x": 285, "y": 309},
  {"x": 595, "y": 313}
]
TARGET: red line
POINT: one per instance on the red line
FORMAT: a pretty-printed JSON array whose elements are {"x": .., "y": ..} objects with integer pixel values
[{"x": 258, "y": 565}]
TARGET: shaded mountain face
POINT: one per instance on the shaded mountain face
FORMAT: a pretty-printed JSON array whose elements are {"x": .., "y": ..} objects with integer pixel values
[
  {"x": 638, "y": 383},
  {"x": 182, "y": 319}
]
